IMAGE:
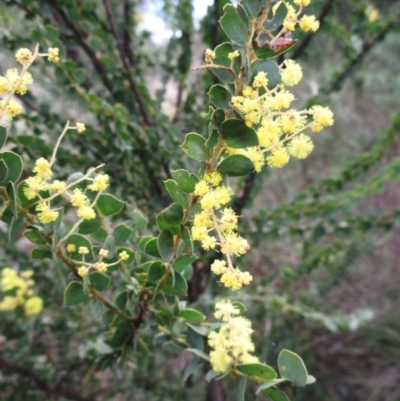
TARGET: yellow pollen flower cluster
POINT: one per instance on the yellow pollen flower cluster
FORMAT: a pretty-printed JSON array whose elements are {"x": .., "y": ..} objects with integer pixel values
[
  {"x": 80, "y": 127},
  {"x": 23, "y": 56},
  {"x": 231, "y": 343},
  {"x": 19, "y": 285},
  {"x": 306, "y": 23},
  {"x": 53, "y": 55},
  {"x": 233, "y": 55},
  {"x": 209, "y": 56}
]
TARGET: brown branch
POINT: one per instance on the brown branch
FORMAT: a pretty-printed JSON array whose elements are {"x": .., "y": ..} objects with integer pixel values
[
  {"x": 50, "y": 389},
  {"x": 241, "y": 201},
  {"x": 127, "y": 36},
  {"x": 125, "y": 61},
  {"x": 307, "y": 39}
]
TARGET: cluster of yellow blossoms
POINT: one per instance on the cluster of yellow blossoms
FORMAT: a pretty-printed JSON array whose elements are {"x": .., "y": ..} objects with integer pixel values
[
  {"x": 264, "y": 110},
  {"x": 35, "y": 185},
  {"x": 17, "y": 288},
  {"x": 216, "y": 226},
  {"x": 306, "y": 22},
  {"x": 231, "y": 343},
  {"x": 100, "y": 265},
  {"x": 18, "y": 82}
]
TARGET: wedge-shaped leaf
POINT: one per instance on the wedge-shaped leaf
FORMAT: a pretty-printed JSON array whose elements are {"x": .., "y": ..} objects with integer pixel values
[
  {"x": 269, "y": 384},
  {"x": 176, "y": 193},
  {"x": 199, "y": 353},
  {"x": 3, "y": 171},
  {"x": 183, "y": 261},
  {"x": 220, "y": 96},
  {"x": 79, "y": 241},
  {"x": 253, "y": 7},
  {"x": 203, "y": 331},
  {"x": 222, "y": 59},
  {"x": 193, "y": 315},
  {"x": 35, "y": 237},
  {"x": 217, "y": 118},
  {"x": 240, "y": 388},
  {"x": 292, "y": 368},
  {"x": 139, "y": 219},
  {"x": 275, "y": 394},
  {"x": 109, "y": 204},
  {"x": 89, "y": 226},
  {"x": 277, "y": 19},
  {"x": 258, "y": 370},
  {"x": 238, "y": 305},
  {"x": 185, "y": 180},
  {"x": 212, "y": 374},
  {"x": 191, "y": 367},
  {"x": 236, "y": 165},
  {"x": 163, "y": 225},
  {"x": 120, "y": 300},
  {"x": 173, "y": 214},
  {"x": 270, "y": 68},
  {"x": 238, "y": 135},
  {"x": 74, "y": 294},
  {"x": 266, "y": 51},
  {"x": 151, "y": 248},
  {"x": 121, "y": 233},
  {"x": 35, "y": 143},
  {"x": 3, "y": 135},
  {"x": 165, "y": 245},
  {"x": 16, "y": 225},
  {"x": 234, "y": 26},
  {"x": 177, "y": 288},
  {"x": 99, "y": 281},
  {"x": 40, "y": 253},
  {"x": 156, "y": 271},
  {"x": 194, "y": 146},
  {"x": 12, "y": 196},
  {"x": 14, "y": 165}
]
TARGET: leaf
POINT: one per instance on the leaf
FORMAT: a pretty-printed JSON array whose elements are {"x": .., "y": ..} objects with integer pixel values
[
  {"x": 236, "y": 165},
  {"x": 266, "y": 52},
  {"x": 178, "y": 288},
  {"x": 311, "y": 379},
  {"x": 74, "y": 294},
  {"x": 16, "y": 225},
  {"x": 99, "y": 281},
  {"x": 120, "y": 300},
  {"x": 270, "y": 68},
  {"x": 89, "y": 226},
  {"x": 275, "y": 394},
  {"x": 253, "y": 7},
  {"x": 217, "y": 118},
  {"x": 194, "y": 146},
  {"x": 3, "y": 135},
  {"x": 259, "y": 370},
  {"x": 211, "y": 374},
  {"x": 238, "y": 135},
  {"x": 40, "y": 253},
  {"x": 183, "y": 261},
  {"x": 79, "y": 240},
  {"x": 12, "y": 196},
  {"x": 139, "y": 219},
  {"x": 185, "y": 180},
  {"x": 241, "y": 388},
  {"x": 191, "y": 367},
  {"x": 3, "y": 171},
  {"x": 269, "y": 384},
  {"x": 156, "y": 271},
  {"x": 199, "y": 353},
  {"x": 35, "y": 237},
  {"x": 221, "y": 53},
  {"x": 176, "y": 193},
  {"x": 163, "y": 225},
  {"x": 149, "y": 245},
  {"x": 220, "y": 96},
  {"x": 121, "y": 233},
  {"x": 240, "y": 306},
  {"x": 193, "y": 315},
  {"x": 292, "y": 368},
  {"x": 203, "y": 331},
  {"x": 278, "y": 18},
  {"x": 14, "y": 165},
  {"x": 165, "y": 245},
  {"x": 109, "y": 204},
  {"x": 173, "y": 214},
  {"x": 234, "y": 26}
]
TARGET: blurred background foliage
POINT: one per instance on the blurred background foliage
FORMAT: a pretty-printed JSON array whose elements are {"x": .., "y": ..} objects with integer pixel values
[{"x": 324, "y": 231}]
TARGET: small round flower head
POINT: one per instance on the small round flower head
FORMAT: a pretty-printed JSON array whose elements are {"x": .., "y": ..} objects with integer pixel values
[
  {"x": 300, "y": 146},
  {"x": 33, "y": 306},
  {"x": 83, "y": 250},
  {"x": 86, "y": 213},
  {"x": 233, "y": 55},
  {"x": 282, "y": 100},
  {"x": 101, "y": 267},
  {"x": 237, "y": 101},
  {"x": 260, "y": 80},
  {"x": 213, "y": 178},
  {"x": 78, "y": 198},
  {"x": 53, "y": 54},
  {"x": 220, "y": 360},
  {"x": 323, "y": 117},
  {"x": 103, "y": 253},
  {"x": 292, "y": 74},
  {"x": 209, "y": 243},
  {"x": 100, "y": 182},
  {"x": 80, "y": 127},
  {"x": 46, "y": 215},
  {"x": 23, "y": 56},
  {"x": 230, "y": 279},
  {"x": 256, "y": 156},
  {"x": 292, "y": 121},
  {"x": 209, "y": 56},
  {"x": 123, "y": 255},
  {"x": 199, "y": 233},
  {"x": 278, "y": 158},
  {"x": 12, "y": 109},
  {"x": 201, "y": 188},
  {"x": 290, "y": 21},
  {"x": 224, "y": 194},
  {"x": 42, "y": 168},
  {"x": 224, "y": 310},
  {"x": 71, "y": 248},
  {"x": 83, "y": 271},
  {"x": 26, "y": 274},
  {"x": 235, "y": 244},
  {"x": 248, "y": 92},
  {"x": 218, "y": 267},
  {"x": 372, "y": 14},
  {"x": 202, "y": 219},
  {"x": 269, "y": 133},
  {"x": 57, "y": 186},
  {"x": 32, "y": 186},
  {"x": 3, "y": 85},
  {"x": 308, "y": 23},
  {"x": 229, "y": 220},
  {"x": 303, "y": 3}
]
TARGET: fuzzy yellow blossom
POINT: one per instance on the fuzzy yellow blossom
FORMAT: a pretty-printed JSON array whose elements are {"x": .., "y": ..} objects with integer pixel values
[
  {"x": 83, "y": 250},
  {"x": 223, "y": 194},
  {"x": 101, "y": 267},
  {"x": 292, "y": 121},
  {"x": 103, "y": 253},
  {"x": 12, "y": 109},
  {"x": 260, "y": 80},
  {"x": 228, "y": 220},
  {"x": 308, "y": 23},
  {"x": 237, "y": 101},
  {"x": 78, "y": 198},
  {"x": 218, "y": 267},
  {"x": 33, "y": 306},
  {"x": 372, "y": 14},
  {"x": 199, "y": 233},
  {"x": 256, "y": 156},
  {"x": 292, "y": 74},
  {"x": 100, "y": 182},
  {"x": 123, "y": 255},
  {"x": 83, "y": 271},
  {"x": 57, "y": 186},
  {"x": 268, "y": 134},
  {"x": 42, "y": 168},
  {"x": 249, "y": 92},
  {"x": 32, "y": 187},
  {"x": 209, "y": 243},
  {"x": 3, "y": 85},
  {"x": 300, "y": 146},
  {"x": 281, "y": 100},
  {"x": 303, "y": 3},
  {"x": 235, "y": 244},
  {"x": 71, "y": 248},
  {"x": 86, "y": 213},
  {"x": 53, "y": 54},
  {"x": 213, "y": 178},
  {"x": 232, "y": 344},
  {"x": 322, "y": 117},
  {"x": 46, "y": 214},
  {"x": 233, "y": 55},
  {"x": 201, "y": 188},
  {"x": 202, "y": 219},
  {"x": 291, "y": 19},
  {"x": 278, "y": 158},
  {"x": 23, "y": 56},
  {"x": 209, "y": 56},
  {"x": 15, "y": 83},
  {"x": 80, "y": 127}
]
